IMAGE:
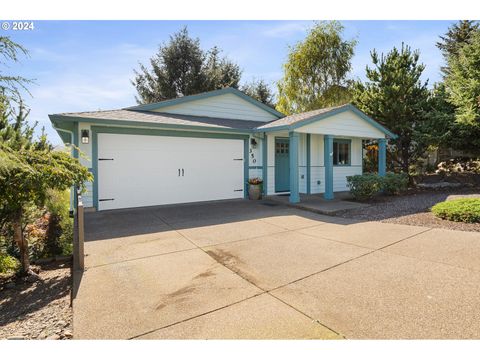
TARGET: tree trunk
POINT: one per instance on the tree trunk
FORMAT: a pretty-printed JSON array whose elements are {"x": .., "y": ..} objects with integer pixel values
[{"x": 21, "y": 241}]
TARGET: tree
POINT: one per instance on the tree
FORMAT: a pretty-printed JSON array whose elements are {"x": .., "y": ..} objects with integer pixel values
[
  {"x": 457, "y": 35},
  {"x": 182, "y": 68},
  {"x": 315, "y": 74},
  {"x": 11, "y": 85},
  {"x": 463, "y": 82},
  {"x": 259, "y": 90},
  {"x": 397, "y": 98},
  {"x": 28, "y": 170}
]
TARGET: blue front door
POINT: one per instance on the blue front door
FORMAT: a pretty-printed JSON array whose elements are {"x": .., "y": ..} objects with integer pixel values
[{"x": 282, "y": 165}]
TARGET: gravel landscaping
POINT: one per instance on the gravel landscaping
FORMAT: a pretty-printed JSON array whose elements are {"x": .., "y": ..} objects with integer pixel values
[
  {"x": 413, "y": 208},
  {"x": 38, "y": 310}
]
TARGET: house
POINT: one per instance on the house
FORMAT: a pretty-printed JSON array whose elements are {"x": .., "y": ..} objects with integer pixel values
[{"x": 206, "y": 147}]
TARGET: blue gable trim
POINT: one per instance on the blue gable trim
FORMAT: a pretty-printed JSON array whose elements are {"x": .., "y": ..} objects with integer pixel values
[
  {"x": 347, "y": 107},
  {"x": 205, "y": 95}
]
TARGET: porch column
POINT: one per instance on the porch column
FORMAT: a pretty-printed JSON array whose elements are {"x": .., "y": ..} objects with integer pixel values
[
  {"x": 328, "y": 163},
  {"x": 382, "y": 156},
  {"x": 265, "y": 163},
  {"x": 309, "y": 164},
  {"x": 293, "y": 158}
]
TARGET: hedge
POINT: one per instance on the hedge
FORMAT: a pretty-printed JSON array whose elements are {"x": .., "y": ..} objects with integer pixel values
[{"x": 462, "y": 210}]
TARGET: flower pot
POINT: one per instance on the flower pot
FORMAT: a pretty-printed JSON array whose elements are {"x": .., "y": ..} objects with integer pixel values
[{"x": 254, "y": 192}]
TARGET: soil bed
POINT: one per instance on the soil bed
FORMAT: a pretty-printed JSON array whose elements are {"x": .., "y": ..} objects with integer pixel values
[
  {"x": 413, "y": 208},
  {"x": 39, "y": 310}
]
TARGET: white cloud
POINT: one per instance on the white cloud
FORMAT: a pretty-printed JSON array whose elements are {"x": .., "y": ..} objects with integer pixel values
[{"x": 286, "y": 29}]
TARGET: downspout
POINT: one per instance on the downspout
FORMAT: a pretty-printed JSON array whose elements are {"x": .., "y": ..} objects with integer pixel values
[{"x": 71, "y": 211}]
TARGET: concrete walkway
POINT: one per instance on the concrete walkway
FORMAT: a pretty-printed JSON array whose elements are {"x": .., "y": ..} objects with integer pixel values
[{"x": 258, "y": 270}]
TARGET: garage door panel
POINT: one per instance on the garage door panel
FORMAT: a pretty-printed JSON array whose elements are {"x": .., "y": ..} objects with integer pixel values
[{"x": 145, "y": 170}]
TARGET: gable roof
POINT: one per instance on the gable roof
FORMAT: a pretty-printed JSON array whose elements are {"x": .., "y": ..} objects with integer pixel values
[
  {"x": 146, "y": 118},
  {"x": 184, "y": 99},
  {"x": 295, "y": 121}
]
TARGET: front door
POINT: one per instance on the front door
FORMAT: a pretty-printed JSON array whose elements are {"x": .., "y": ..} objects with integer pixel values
[{"x": 282, "y": 165}]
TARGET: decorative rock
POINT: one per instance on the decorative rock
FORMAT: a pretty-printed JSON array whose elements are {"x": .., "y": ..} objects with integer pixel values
[
  {"x": 68, "y": 334},
  {"x": 54, "y": 337},
  {"x": 16, "y": 337}
]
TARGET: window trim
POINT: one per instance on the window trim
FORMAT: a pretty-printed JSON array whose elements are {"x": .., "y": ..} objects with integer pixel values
[{"x": 344, "y": 141}]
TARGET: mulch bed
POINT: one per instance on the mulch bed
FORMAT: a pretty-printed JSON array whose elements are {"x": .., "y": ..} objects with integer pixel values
[
  {"x": 39, "y": 310},
  {"x": 413, "y": 208}
]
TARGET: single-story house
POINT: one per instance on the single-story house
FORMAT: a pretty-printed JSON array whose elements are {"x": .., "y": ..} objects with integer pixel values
[{"x": 206, "y": 147}]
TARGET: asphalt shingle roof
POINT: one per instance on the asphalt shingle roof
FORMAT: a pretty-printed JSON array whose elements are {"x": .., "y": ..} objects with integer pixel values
[
  {"x": 164, "y": 118},
  {"x": 292, "y": 119}
]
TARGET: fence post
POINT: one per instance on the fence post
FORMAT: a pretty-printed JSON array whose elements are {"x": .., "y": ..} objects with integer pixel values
[{"x": 79, "y": 236}]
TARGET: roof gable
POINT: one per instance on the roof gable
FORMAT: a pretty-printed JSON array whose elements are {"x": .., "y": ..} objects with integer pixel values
[
  {"x": 224, "y": 103},
  {"x": 357, "y": 124}
]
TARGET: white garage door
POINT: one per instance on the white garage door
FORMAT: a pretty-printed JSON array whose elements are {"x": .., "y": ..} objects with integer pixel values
[{"x": 138, "y": 170}]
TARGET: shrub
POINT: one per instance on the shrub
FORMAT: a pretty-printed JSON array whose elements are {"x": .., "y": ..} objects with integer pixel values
[
  {"x": 8, "y": 264},
  {"x": 394, "y": 184},
  {"x": 464, "y": 210},
  {"x": 365, "y": 186}
]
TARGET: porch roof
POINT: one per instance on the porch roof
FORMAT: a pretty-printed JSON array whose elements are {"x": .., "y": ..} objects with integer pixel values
[{"x": 295, "y": 121}]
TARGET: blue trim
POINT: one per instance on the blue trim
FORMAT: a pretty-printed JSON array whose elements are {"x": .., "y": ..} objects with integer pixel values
[
  {"x": 328, "y": 163},
  {"x": 346, "y": 107},
  {"x": 205, "y": 95},
  {"x": 60, "y": 119},
  {"x": 345, "y": 141},
  {"x": 382, "y": 157},
  {"x": 151, "y": 132},
  {"x": 309, "y": 175},
  {"x": 246, "y": 143},
  {"x": 293, "y": 153},
  {"x": 265, "y": 164},
  {"x": 75, "y": 155}
]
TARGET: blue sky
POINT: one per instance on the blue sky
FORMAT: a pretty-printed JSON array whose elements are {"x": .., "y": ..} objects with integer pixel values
[{"x": 87, "y": 65}]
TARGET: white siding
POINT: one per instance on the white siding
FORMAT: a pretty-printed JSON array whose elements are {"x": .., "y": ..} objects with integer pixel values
[
  {"x": 344, "y": 124},
  {"x": 340, "y": 174},
  {"x": 227, "y": 106}
]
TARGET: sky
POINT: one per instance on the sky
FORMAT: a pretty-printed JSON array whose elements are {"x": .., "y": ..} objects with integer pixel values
[{"x": 88, "y": 65}]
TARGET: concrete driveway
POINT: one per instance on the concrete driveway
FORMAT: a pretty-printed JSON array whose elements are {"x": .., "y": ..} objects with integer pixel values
[{"x": 246, "y": 270}]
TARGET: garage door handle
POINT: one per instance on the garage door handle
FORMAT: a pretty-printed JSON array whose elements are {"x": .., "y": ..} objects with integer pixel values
[
  {"x": 238, "y": 159},
  {"x": 178, "y": 172},
  {"x": 104, "y": 159},
  {"x": 183, "y": 172}
]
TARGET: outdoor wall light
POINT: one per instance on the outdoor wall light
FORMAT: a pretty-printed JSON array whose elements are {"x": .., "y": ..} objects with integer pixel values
[
  {"x": 253, "y": 142},
  {"x": 85, "y": 136}
]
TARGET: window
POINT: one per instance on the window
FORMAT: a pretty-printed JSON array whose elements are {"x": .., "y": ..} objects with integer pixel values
[{"x": 341, "y": 152}]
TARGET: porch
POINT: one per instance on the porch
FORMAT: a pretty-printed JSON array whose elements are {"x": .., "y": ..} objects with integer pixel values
[
  {"x": 318, "y": 204},
  {"x": 315, "y": 152}
]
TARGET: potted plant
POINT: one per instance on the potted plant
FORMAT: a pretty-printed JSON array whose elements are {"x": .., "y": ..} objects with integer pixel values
[{"x": 255, "y": 188}]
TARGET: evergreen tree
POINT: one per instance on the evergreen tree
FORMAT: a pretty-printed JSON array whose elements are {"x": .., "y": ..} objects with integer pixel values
[
  {"x": 397, "y": 98},
  {"x": 457, "y": 35},
  {"x": 259, "y": 90},
  {"x": 182, "y": 68}
]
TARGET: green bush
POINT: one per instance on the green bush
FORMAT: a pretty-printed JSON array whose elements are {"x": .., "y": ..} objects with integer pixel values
[
  {"x": 59, "y": 236},
  {"x": 394, "y": 184},
  {"x": 8, "y": 264},
  {"x": 463, "y": 210},
  {"x": 365, "y": 186}
]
